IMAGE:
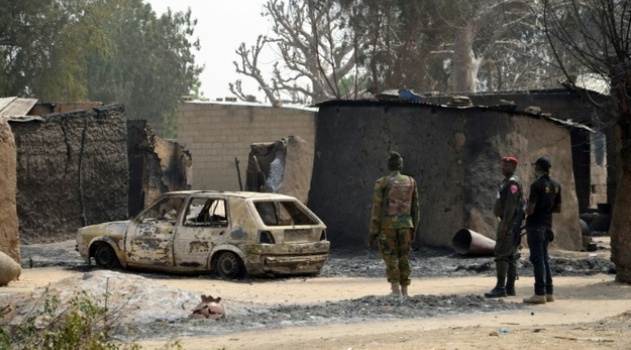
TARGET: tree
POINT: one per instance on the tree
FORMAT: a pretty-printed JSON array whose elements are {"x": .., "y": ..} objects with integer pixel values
[
  {"x": 460, "y": 46},
  {"x": 425, "y": 45},
  {"x": 397, "y": 39},
  {"x": 313, "y": 44},
  {"x": 152, "y": 64},
  {"x": 596, "y": 34},
  {"x": 496, "y": 45},
  {"x": 28, "y": 31},
  {"x": 99, "y": 50}
]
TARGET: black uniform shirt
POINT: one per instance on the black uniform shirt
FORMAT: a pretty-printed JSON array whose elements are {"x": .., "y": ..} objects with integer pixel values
[{"x": 545, "y": 193}]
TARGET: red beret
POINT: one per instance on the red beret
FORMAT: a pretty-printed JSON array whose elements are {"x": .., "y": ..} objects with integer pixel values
[{"x": 509, "y": 160}]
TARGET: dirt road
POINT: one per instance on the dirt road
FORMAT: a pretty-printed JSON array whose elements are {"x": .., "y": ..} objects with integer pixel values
[
  {"x": 580, "y": 317},
  {"x": 347, "y": 307}
]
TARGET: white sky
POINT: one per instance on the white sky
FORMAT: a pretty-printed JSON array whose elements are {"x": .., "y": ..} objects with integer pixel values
[{"x": 222, "y": 25}]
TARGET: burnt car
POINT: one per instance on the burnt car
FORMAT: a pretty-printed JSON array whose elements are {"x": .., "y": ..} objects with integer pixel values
[{"x": 231, "y": 233}]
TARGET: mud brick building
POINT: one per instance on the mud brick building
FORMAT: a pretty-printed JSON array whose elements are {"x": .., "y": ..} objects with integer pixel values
[
  {"x": 71, "y": 171},
  {"x": 452, "y": 152}
]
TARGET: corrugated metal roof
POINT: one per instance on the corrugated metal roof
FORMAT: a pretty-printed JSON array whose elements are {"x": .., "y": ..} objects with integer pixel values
[
  {"x": 500, "y": 108},
  {"x": 15, "y": 106},
  {"x": 252, "y": 104}
]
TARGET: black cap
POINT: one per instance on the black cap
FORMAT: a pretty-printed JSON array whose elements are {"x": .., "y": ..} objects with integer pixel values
[{"x": 543, "y": 162}]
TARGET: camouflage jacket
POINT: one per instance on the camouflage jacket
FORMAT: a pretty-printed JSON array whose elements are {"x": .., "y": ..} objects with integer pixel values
[{"x": 388, "y": 211}]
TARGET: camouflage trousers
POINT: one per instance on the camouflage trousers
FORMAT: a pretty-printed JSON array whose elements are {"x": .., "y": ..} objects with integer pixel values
[{"x": 394, "y": 245}]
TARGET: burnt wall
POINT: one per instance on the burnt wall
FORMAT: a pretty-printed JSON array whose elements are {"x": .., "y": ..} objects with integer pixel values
[
  {"x": 9, "y": 238},
  {"x": 71, "y": 171},
  {"x": 283, "y": 167},
  {"x": 167, "y": 166},
  {"x": 581, "y": 160},
  {"x": 563, "y": 104},
  {"x": 351, "y": 152},
  {"x": 452, "y": 153},
  {"x": 156, "y": 166},
  {"x": 489, "y": 136},
  {"x": 136, "y": 158}
]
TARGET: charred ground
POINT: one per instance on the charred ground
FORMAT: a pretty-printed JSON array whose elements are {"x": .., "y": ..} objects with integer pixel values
[{"x": 426, "y": 262}]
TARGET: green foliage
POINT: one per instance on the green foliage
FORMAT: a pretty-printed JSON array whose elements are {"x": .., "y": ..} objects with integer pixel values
[
  {"x": 152, "y": 65},
  {"x": 99, "y": 50},
  {"x": 84, "y": 325},
  {"x": 27, "y": 36}
]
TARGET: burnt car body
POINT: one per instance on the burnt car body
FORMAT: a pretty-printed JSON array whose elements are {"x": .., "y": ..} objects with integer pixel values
[{"x": 231, "y": 233}]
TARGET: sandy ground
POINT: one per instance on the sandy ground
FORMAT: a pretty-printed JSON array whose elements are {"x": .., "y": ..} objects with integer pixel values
[
  {"x": 578, "y": 318},
  {"x": 590, "y": 312}
]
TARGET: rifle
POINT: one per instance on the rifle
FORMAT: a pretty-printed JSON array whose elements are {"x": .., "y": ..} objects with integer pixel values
[{"x": 516, "y": 227}]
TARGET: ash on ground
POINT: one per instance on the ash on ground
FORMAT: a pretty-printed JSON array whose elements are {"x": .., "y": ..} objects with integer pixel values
[
  {"x": 425, "y": 262},
  {"x": 143, "y": 313}
]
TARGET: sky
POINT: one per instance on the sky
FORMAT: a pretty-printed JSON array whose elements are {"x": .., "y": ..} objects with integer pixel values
[{"x": 222, "y": 25}]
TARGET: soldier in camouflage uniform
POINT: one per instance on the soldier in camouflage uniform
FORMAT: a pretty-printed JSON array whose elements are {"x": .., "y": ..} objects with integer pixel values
[
  {"x": 508, "y": 208},
  {"x": 394, "y": 220}
]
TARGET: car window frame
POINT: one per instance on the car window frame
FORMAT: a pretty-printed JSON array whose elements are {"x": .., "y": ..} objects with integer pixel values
[
  {"x": 220, "y": 224},
  {"x": 279, "y": 208}
]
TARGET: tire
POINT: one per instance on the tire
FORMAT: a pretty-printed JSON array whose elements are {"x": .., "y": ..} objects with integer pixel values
[
  {"x": 106, "y": 258},
  {"x": 230, "y": 266}
]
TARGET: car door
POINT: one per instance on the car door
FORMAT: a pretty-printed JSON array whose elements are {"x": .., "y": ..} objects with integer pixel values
[
  {"x": 205, "y": 224},
  {"x": 149, "y": 239}
]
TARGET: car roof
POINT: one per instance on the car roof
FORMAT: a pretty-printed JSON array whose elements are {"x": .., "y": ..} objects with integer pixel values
[{"x": 234, "y": 194}]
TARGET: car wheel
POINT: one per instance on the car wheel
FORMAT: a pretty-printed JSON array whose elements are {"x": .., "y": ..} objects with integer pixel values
[
  {"x": 229, "y": 266},
  {"x": 106, "y": 258}
]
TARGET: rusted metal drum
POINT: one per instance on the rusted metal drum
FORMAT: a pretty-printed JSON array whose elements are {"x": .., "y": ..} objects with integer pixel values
[{"x": 469, "y": 242}]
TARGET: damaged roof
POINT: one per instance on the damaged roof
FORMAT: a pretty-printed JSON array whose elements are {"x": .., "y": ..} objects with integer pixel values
[
  {"x": 455, "y": 102},
  {"x": 11, "y": 107}
]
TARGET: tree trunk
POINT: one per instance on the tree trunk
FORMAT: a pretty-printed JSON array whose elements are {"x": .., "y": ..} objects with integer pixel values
[
  {"x": 621, "y": 228},
  {"x": 465, "y": 66}
]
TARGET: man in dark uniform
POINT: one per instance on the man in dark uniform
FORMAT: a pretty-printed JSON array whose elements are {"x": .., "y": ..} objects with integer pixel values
[
  {"x": 507, "y": 208},
  {"x": 544, "y": 199},
  {"x": 393, "y": 223}
]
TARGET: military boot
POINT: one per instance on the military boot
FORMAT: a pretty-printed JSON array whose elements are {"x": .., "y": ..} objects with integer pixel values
[
  {"x": 510, "y": 284},
  {"x": 404, "y": 291},
  {"x": 500, "y": 288},
  {"x": 499, "y": 291},
  {"x": 510, "y": 280},
  {"x": 395, "y": 289}
]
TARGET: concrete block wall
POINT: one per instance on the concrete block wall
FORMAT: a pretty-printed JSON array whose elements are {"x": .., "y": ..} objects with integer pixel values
[{"x": 216, "y": 133}]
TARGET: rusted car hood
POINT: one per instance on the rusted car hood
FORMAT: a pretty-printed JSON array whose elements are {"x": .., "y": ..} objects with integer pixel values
[{"x": 110, "y": 229}]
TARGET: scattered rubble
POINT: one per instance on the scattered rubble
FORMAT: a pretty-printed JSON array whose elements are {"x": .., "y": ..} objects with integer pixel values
[{"x": 146, "y": 309}]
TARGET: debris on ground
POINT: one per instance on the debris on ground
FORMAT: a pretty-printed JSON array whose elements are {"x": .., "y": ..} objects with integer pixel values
[{"x": 146, "y": 309}]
